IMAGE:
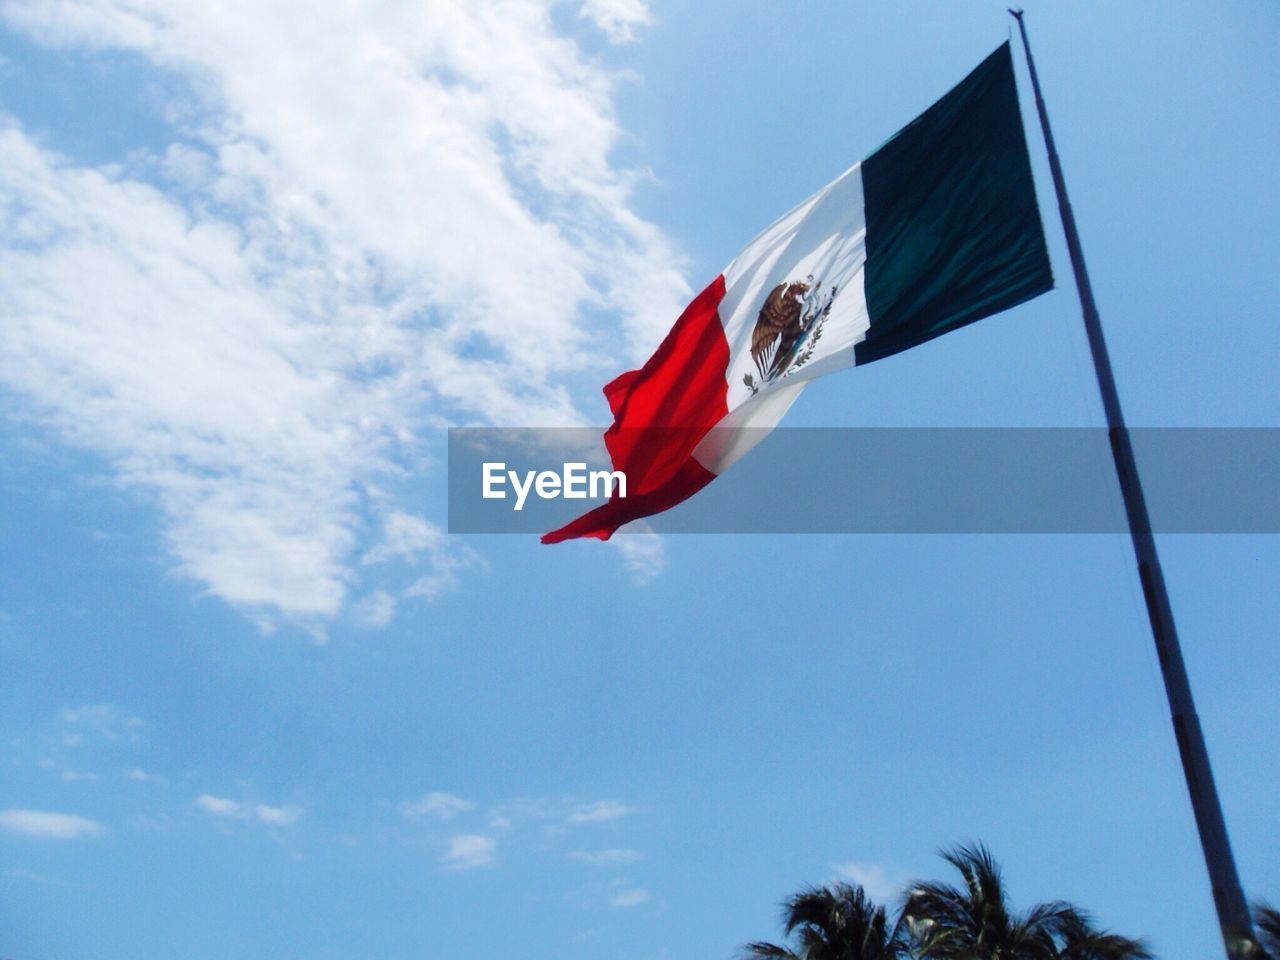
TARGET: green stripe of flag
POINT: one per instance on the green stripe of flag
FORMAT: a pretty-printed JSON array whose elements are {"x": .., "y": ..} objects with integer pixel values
[{"x": 953, "y": 229}]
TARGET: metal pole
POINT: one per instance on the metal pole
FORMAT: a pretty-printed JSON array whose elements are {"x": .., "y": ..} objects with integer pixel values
[{"x": 1228, "y": 898}]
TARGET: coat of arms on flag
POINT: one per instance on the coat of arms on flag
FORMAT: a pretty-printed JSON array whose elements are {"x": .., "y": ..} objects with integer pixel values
[{"x": 788, "y": 329}]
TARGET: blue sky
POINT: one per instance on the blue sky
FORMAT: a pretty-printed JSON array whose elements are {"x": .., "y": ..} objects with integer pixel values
[{"x": 258, "y": 703}]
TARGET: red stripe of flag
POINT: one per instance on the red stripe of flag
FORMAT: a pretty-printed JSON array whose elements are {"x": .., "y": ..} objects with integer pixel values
[{"x": 661, "y": 411}]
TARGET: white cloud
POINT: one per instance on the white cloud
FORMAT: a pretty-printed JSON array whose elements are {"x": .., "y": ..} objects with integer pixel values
[
  {"x": 443, "y": 575},
  {"x": 873, "y": 878},
  {"x": 606, "y": 858},
  {"x": 237, "y": 810},
  {"x": 277, "y": 816},
  {"x": 221, "y": 806},
  {"x": 374, "y": 221},
  {"x": 617, "y": 19},
  {"x": 103, "y": 721},
  {"x": 643, "y": 552},
  {"x": 470, "y": 850},
  {"x": 45, "y": 824},
  {"x": 375, "y": 610},
  {"x": 628, "y": 897},
  {"x": 138, "y": 775},
  {"x": 598, "y": 812},
  {"x": 404, "y": 537},
  {"x": 444, "y": 806}
]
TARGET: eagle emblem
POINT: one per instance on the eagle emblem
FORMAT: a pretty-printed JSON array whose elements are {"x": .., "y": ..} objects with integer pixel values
[{"x": 787, "y": 329}]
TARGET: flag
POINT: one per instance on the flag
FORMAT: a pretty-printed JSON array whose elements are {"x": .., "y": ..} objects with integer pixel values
[{"x": 936, "y": 229}]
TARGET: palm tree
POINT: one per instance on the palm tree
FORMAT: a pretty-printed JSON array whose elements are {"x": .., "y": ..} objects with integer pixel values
[
  {"x": 835, "y": 922},
  {"x": 975, "y": 921}
]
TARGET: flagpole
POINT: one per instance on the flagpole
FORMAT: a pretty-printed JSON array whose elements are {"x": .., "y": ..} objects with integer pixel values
[{"x": 1228, "y": 897}]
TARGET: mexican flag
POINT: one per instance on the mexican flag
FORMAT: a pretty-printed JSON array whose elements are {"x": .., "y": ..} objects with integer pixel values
[{"x": 936, "y": 229}]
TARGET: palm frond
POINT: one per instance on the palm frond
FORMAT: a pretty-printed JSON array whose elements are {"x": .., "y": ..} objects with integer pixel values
[
  {"x": 760, "y": 950},
  {"x": 835, "y": 922},
  {"x": 979, "y": 869},
  {"x": 974, "y": 921},
  {"x": 1079, "y": 939},
  {"x": 1267, "y": 919},
  {"x": 1054, "y": 917}
]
